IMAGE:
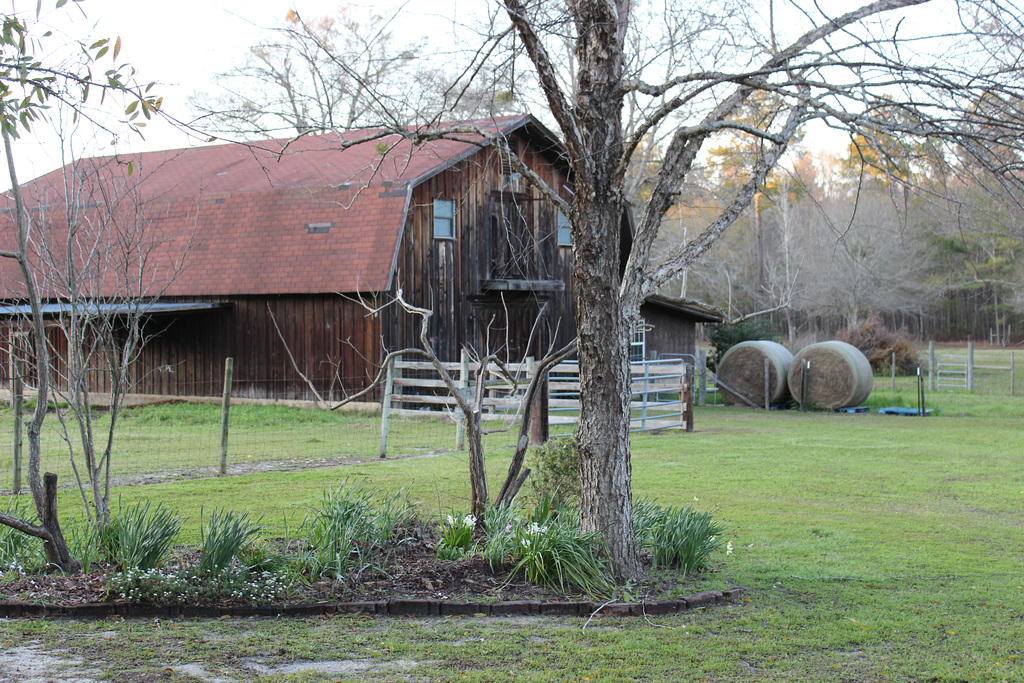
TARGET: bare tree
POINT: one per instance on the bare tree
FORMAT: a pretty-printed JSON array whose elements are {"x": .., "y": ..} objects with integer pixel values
[
  {"x": 30, "y": 87},
  {"x": 342, "y": 72},
  {"x": 471, "y": 408},
  {"x": 94, "y": 255}
]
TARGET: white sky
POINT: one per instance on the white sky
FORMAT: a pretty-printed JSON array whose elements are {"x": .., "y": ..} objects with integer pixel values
[
  {"x": 180, "y": 44},
  {"x": 183, "y": 44}
]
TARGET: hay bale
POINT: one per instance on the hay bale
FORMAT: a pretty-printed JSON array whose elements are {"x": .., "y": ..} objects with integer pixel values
[
  {"x": 740, "y": 373},
  {"x": 840, "y": 375}
]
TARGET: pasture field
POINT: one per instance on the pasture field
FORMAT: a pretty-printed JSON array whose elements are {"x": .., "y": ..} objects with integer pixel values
[{"x": 870, "y": 548}]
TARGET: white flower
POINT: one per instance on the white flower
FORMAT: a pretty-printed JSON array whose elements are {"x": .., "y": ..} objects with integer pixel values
[
  {"x": 469, "y": 520},
  {"x": 696, "y": 499},
  {"x": 450, "y": 520},
  {"x": 728, "y": 548}
]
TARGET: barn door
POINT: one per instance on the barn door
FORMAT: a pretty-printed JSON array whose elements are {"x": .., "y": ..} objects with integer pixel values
[
  {"x": 508, "y": 325},
  {"x": 511, "y": 240}
]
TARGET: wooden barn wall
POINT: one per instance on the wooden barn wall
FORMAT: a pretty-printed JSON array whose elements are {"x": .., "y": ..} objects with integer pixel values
[
  {"x": 671, "y": 332},
  {"x": 447, "y": 276},
  {"x": 335, "y": 344}
]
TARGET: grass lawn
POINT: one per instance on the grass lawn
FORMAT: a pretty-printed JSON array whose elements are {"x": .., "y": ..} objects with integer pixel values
[{"x": 871, "y": 548}]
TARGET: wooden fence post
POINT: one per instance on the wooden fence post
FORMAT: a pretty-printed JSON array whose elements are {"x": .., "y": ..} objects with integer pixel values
[
  {"x": 225, "y": 409},
  {"x": 805, "y": 375},
  {"x": 460, "y": 425},
  {"x": 893, "y": 369},
  {"x": 931, "y": 366},
  {"x": 687, "y": 397},
  {"x": 19, "y": 418},
  {"x": 385, "y": 406},
  {"x": 1013, "y": 372},
  {"x": 767, "y": 384},
  {"x": 539, "y": 428}
]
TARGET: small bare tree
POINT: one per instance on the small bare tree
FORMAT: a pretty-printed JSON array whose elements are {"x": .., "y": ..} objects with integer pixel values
[
  {"x": 28, "y": 88},
  {"x": 471, "y": 408},
  {"x": 99, "y": 257}
]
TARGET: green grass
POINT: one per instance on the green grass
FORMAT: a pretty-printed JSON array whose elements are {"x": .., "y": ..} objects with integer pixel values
[{"x": 871, "y": 548}]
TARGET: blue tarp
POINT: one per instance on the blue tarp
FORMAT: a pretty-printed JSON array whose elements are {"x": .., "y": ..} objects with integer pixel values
[{"x": 903, "y": 411}]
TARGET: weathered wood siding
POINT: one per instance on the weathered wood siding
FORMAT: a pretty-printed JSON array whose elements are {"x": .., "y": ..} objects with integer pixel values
[
  {"x": 670, "y": 332},
  {"x": 504, "y": 230}
]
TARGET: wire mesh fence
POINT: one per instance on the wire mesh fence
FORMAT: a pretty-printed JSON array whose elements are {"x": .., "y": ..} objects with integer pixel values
[{"x": 168, "y": 442}]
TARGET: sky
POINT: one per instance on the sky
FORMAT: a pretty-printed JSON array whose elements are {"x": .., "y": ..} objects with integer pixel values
[
  {"x": 183, "y": 44},
  {"x": 180, "y": 44}
]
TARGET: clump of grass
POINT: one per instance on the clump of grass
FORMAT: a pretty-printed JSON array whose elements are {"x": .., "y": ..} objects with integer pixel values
[
  {"x": 223, "y": 538},
  {"x": 678, "y": 537},
  {"x": 549, "y": 548},
  {"x": 351, "y": 529},
  {"x": 456, "y": 537},
  {"x": 139, "y": 536}
]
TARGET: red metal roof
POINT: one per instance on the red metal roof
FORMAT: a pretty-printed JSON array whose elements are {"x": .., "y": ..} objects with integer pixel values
[{"x": 277, "y": 217}]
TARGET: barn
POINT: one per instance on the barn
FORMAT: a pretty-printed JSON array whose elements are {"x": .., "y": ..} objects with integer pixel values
[{"x": 287, "y": 255}]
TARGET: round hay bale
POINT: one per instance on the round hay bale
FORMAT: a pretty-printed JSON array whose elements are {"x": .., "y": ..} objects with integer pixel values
[
  {"x": 840, "y": 375},
  {"x": 740, "y": 373}
]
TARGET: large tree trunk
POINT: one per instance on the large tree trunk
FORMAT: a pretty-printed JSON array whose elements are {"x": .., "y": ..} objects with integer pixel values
[{"x": 602, "y": 435}]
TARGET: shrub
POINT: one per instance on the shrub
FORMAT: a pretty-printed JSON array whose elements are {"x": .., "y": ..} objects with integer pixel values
[
  {"x": 677, "y": 537},
  {"x": 223, "y": 538},
  {"x": 554, "y": 471},
  {"x": 879, "y": 343},
  {"x": 140, "y": 536},
  {"x": 725, "y": 336}
]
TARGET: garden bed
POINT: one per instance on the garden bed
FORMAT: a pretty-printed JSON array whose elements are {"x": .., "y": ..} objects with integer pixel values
[{"x": 415, "y": 582}]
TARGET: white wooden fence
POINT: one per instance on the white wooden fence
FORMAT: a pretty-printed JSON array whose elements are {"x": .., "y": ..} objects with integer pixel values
[{"x": 413, "y": 388}]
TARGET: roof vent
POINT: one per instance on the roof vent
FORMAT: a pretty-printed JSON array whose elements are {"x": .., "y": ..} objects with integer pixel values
[{"x": 318, "y": 228}]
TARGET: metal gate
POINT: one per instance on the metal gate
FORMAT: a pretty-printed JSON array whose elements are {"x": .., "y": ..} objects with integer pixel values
[{"x": 951, "y": 371}]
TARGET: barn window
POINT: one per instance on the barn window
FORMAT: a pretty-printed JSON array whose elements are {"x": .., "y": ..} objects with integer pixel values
[
  {"x": 444, "y": 218},
  {"x": 564, "y": 234}
]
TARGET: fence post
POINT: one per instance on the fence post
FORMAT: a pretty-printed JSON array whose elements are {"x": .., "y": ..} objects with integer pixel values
[
  {"x": 225, "y": 409},
  {"x": 19, "y": 417},
  {"x": 970, "y": 366},
  {"x": 931, "y": 366},
  {"x": 805, "y": 372},
  {"x": 702, "y": 371},
  {"x": 460, "y": 425},
  {"x": 1013, "y": 372},
  {"x": 385, "y": 407},
  {"x": 540, "y": 428},
  {"x": 687, "y": 396},
  {"x": 767, "y": 384},
  {"x": 893, "y": 368}
]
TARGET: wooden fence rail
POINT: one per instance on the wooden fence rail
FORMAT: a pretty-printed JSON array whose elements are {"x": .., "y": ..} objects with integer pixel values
[{"x": 662, "y": 393}]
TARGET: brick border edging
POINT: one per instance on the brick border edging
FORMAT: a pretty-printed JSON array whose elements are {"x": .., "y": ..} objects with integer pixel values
[{"x": 398, "y": 607}]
